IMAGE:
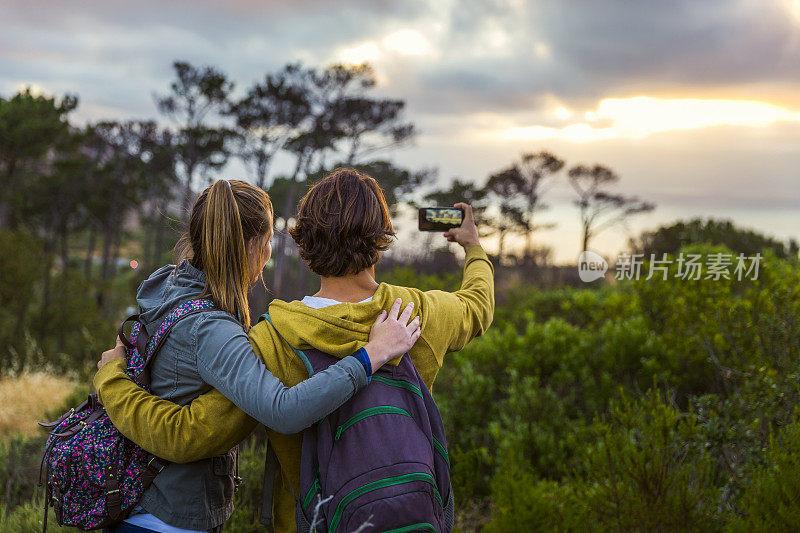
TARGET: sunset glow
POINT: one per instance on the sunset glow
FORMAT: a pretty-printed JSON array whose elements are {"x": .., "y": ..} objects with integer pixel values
[
  {"x": 793, "y": 7},
  {"x": 361, "y": 53},
  {"x": 641, "y": 116},
  {"x": 406, "y": 42}
]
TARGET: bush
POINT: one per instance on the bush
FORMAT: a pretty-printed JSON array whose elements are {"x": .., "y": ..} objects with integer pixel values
[
  {"x": 521, "y": 503},
  {"x": 644, "y": 472},
  {"x": 27, "y": 518},
  {"x": 247, "y": 514},
  {"x": 19, "y": 469},
  {"x": 20, "y": 458},
  {"x": 21, "y": 263},
  {"x": 407, "y": 276},
  {"x": 548, "y": 424},
  {"x": 771, "y": 502}
]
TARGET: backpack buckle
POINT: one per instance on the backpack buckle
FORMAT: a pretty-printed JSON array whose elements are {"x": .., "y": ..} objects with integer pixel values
[{"x": 158, "y": 467}]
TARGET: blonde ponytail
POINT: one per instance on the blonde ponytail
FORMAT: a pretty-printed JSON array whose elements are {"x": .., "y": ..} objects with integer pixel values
[
  {"x": 224, "y": 252},
  {"x": 225, "y": 217}
]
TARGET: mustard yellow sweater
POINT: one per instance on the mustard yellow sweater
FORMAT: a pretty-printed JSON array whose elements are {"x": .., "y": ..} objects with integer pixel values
[{"x": 211, "y": 424}]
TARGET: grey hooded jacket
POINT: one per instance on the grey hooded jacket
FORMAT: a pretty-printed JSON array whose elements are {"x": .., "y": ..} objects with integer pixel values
[{"x": 211, "y": 350}]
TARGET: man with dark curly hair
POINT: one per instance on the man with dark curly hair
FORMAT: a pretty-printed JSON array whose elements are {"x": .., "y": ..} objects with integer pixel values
[{"x": 342, "y": 228}]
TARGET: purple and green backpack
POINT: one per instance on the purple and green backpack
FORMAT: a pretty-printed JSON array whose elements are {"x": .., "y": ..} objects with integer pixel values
[
  {"x": 380, "y": 458},
  {"x": 93, "y": 475}
]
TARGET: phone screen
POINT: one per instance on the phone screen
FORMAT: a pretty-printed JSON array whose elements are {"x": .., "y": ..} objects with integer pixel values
[{"x": 440, "y": 218}]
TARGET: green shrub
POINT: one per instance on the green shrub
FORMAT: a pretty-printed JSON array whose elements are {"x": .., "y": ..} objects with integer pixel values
[
  {"x": 19, "y": 469},
  {"x": 21, "y": 264},
  {"x": 548, "y": 428},
  {"x": 408, "y": 276},
  {"x": 62, "y": 328},
  {"x": 521, "y": 503},
  {"x": 645, "y": 474},
  {"x": 247, "y": 513},
  {"x": 27, "y": 518},
  {"x": 579, "y": 307},
  {"x": 771, "y": 502}
]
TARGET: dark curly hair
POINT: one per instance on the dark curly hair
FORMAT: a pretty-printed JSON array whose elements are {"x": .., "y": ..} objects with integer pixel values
[{"x": 343, "y": 224}]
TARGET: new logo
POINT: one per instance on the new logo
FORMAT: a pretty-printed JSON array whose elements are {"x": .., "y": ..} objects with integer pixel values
[{"x": 591, "y": 266}]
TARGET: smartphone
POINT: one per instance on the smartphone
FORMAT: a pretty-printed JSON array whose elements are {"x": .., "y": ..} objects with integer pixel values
[{"x": 440, "y": 218}]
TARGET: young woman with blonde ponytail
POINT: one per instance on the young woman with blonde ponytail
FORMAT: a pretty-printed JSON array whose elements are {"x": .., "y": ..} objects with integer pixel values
[{"x": 222, "y": 253}]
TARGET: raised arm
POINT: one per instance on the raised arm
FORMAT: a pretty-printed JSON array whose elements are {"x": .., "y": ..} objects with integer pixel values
[{"x": 454, "y": 319}]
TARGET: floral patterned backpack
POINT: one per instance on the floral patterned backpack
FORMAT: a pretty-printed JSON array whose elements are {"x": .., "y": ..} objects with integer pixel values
[{"x": 93, "y": 475}]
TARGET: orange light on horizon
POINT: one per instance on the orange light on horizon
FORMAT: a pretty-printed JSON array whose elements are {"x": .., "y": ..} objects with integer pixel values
[
  {"x": 640, "y": 116},
  {"x": 407, "y": 42},
  {"x": 793, "y": 7},
  {"x": 366, "y": 52}
]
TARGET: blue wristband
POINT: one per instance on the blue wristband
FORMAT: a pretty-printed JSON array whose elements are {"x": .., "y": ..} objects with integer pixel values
[{"x": 363, "y": 358}]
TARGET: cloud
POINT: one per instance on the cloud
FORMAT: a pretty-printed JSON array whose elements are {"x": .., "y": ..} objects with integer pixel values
[
  {"x": 585, "y": 50},
  {"x": 709, "y": 42},
  {"x": 694, "y": 102},
  {"x": 444, "y": 56},
  {"x": 118, "y": 48}
]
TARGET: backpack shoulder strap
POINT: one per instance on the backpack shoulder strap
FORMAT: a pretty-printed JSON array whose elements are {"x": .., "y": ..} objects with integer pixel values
[
  {"x": 299, "y": 353},
  {"x": 271, "y": 464},
  {"x": 121, "y": 330},
  {"x": 186, "y": 309},
  {"x": 268, "y": 489}
]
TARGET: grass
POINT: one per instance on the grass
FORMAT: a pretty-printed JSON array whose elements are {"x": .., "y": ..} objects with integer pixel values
[{"x": 26, "y": 398}]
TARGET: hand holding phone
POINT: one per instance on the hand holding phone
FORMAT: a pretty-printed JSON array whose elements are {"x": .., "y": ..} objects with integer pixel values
[
  {"x": 467, "y": 233},
  {"x": 440, "y": 218}
]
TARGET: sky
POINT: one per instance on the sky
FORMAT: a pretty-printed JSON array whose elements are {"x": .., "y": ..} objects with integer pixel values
[{"x": 694, "y": 103}]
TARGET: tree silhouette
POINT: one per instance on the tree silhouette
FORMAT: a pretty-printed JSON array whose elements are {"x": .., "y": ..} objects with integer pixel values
[
  {"x": 505, "y": 189},
  {"x": 30, "y": 125},
  {"x": 461, "y": 191},
  {"x": 52, "y": 208},
  {"x": 267, "y": 117},
  {"x": 365, "y": 125},
  {"x": 529, "y": 178},
  {"x": 159, "y": 157},
  {"x": 120, "y": 149},
  {"x": 341, "y": 118},
  {"x": 197, "y": 96},
  {"x": 398, "y": 183},
  {"x": 600, "y": 209}
]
